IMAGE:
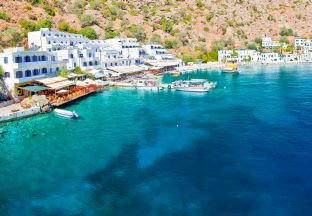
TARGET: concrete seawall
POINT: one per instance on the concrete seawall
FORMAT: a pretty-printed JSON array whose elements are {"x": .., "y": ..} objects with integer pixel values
[{"x": 20, "y": 114}]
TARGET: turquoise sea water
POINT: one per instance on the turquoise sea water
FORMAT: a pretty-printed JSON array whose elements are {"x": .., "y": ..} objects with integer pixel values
[{"x": 244, "y": 148}]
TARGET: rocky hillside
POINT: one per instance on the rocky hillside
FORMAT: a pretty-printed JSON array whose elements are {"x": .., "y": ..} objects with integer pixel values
[{"x": 186, "y": 26}]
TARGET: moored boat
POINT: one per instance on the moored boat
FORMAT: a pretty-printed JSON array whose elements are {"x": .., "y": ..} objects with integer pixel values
[
  {"x": 148, "y": 85},
  {"x": 230, "y": 68},
  {"x": 66, "y": 113},
  {"x": 194, "y": 85}
]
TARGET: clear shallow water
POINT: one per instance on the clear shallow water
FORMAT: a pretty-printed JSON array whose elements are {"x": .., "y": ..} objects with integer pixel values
[{"x": 245, "y": 148}]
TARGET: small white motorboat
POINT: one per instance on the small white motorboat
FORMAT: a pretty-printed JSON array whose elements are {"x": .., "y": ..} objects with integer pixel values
[
  {"x": 66, "y": 113},
  {"x": 194, "y": 85},
  {"x": 148, "y": 85}
]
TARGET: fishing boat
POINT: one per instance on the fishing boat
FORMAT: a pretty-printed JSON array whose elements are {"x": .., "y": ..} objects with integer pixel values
[
  {"x": 194, "y": 85},
  {"x": 66, "y": 113},
  {"x": 230, "y": 68},
  {"x": 148, "y": 85}
]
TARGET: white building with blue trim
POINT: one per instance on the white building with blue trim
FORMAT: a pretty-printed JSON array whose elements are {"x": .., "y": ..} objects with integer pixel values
[
  {"x": 23, "y": 66},
  {"x": 303, "y": 44}
]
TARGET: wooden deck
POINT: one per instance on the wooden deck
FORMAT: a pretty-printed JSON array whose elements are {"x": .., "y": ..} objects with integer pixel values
[{"x": 75, "y": 98}]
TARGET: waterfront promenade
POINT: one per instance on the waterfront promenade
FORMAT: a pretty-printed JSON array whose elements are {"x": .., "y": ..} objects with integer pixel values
[{"x": 15, "y": 111}]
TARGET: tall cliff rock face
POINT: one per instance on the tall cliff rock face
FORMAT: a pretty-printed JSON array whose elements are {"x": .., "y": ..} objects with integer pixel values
[{"x": 184, "y": 25}]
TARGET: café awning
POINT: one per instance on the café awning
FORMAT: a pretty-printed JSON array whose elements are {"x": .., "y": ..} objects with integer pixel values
[
  {"x": 61, "y": 85},
  {"x": 33, "y": 89}
]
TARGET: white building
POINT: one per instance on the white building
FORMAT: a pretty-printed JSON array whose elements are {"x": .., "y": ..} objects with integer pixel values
[
  {"x": 23, "y": 66},
  {"x": 291, "y": 57},
  {"x": 84, "y": 58},
  {"x": 306, "y": 57},
  {"x": 267, "y": 42},
  {"x": 48, "y": 40},
  {"x": 270, "y": 57},
  {"x": 77, "y": 50},
  {"x": 129, "y": 47},
  {"x": 157, "y": 52},
  {"x": 304, "y": 44},
  {"x": 225, "y": 55},
  {"x": 243, "y": 55}
]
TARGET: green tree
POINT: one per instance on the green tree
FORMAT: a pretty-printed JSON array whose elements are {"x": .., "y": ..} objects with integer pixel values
[
  {"x": 65, "y": 27},
  {"x": 1, "y": 72},
  {"x": 89, "y": 33},
  {"x": 166, "y": 25},
  {"x": 199, "y": 3},
  {"x": 78, "y": 70},
  {"x": 34, "y": 2},
  {"x": 234, "y": 54},
  {"x": 156, "y": 39},
  {"x": 170, "y": 44},
  {"x": 49, "y": 10},
  {"x": 63, "y": 73},
  {"x": 136, "y": 31},
  {"x": 10, "y": 37},
  {"x": 258, "y": 40},
  {"x": 209, "y": 16},
  {"x": 4, "y": 16},
  {"x": 110, "y": 32},
  {"x": 28, "y": 26},
  {"x": 87, "y": 20},
  {"x": 286, "y": 32},
  {"x": 188, "y": 58},
  {"x": 252, "y": 46},
  {"x": 45, "y": 23},
  {"x": 212, "y": 56},
  {"x": 96, "y": 4}
]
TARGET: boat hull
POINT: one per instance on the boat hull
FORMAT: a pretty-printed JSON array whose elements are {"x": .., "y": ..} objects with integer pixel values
[
  {"x": 229, "y": 71},
  {"x": 149, "y": 88},
  {"x": 66, "y": 114},
  {"x": 192, "y": 89}
]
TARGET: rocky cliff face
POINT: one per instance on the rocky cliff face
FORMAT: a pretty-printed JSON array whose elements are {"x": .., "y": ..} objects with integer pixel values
[{"x": 184, "y": 25}]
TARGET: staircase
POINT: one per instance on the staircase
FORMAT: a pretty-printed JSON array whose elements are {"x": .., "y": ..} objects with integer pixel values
[{"x": 5, "y": 94}]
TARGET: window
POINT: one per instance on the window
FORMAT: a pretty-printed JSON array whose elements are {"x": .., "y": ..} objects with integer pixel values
[
  {"x": 44, "y": 70},
  {"x": 27, "y": 59},
  {"x": 36, "y": 72},
  {"x": 90, "y": 55},
  {"x": 6, "y": 60},
  {"x": 85, "y": 64},
  {"x": 49, "y": 42},
  {"x": 91, "y": 63},
  {"x": 19, "y": 74},
  {"x": 6, "y": 75},
  {"x": 53, "y": 58},
  {"x": 95, "y": 63},
  {"x": 71, "y": 56},
  {"x": 43, "y": 35},
  {"x": 18, "y": 59},
  {"x": 28, "y": 73},
  {"x": 57, "y": 69},
  {"x": 34, "y": 58},
  {"x": 75, "y": 64},
  {"x": 43, "y": 58}
]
